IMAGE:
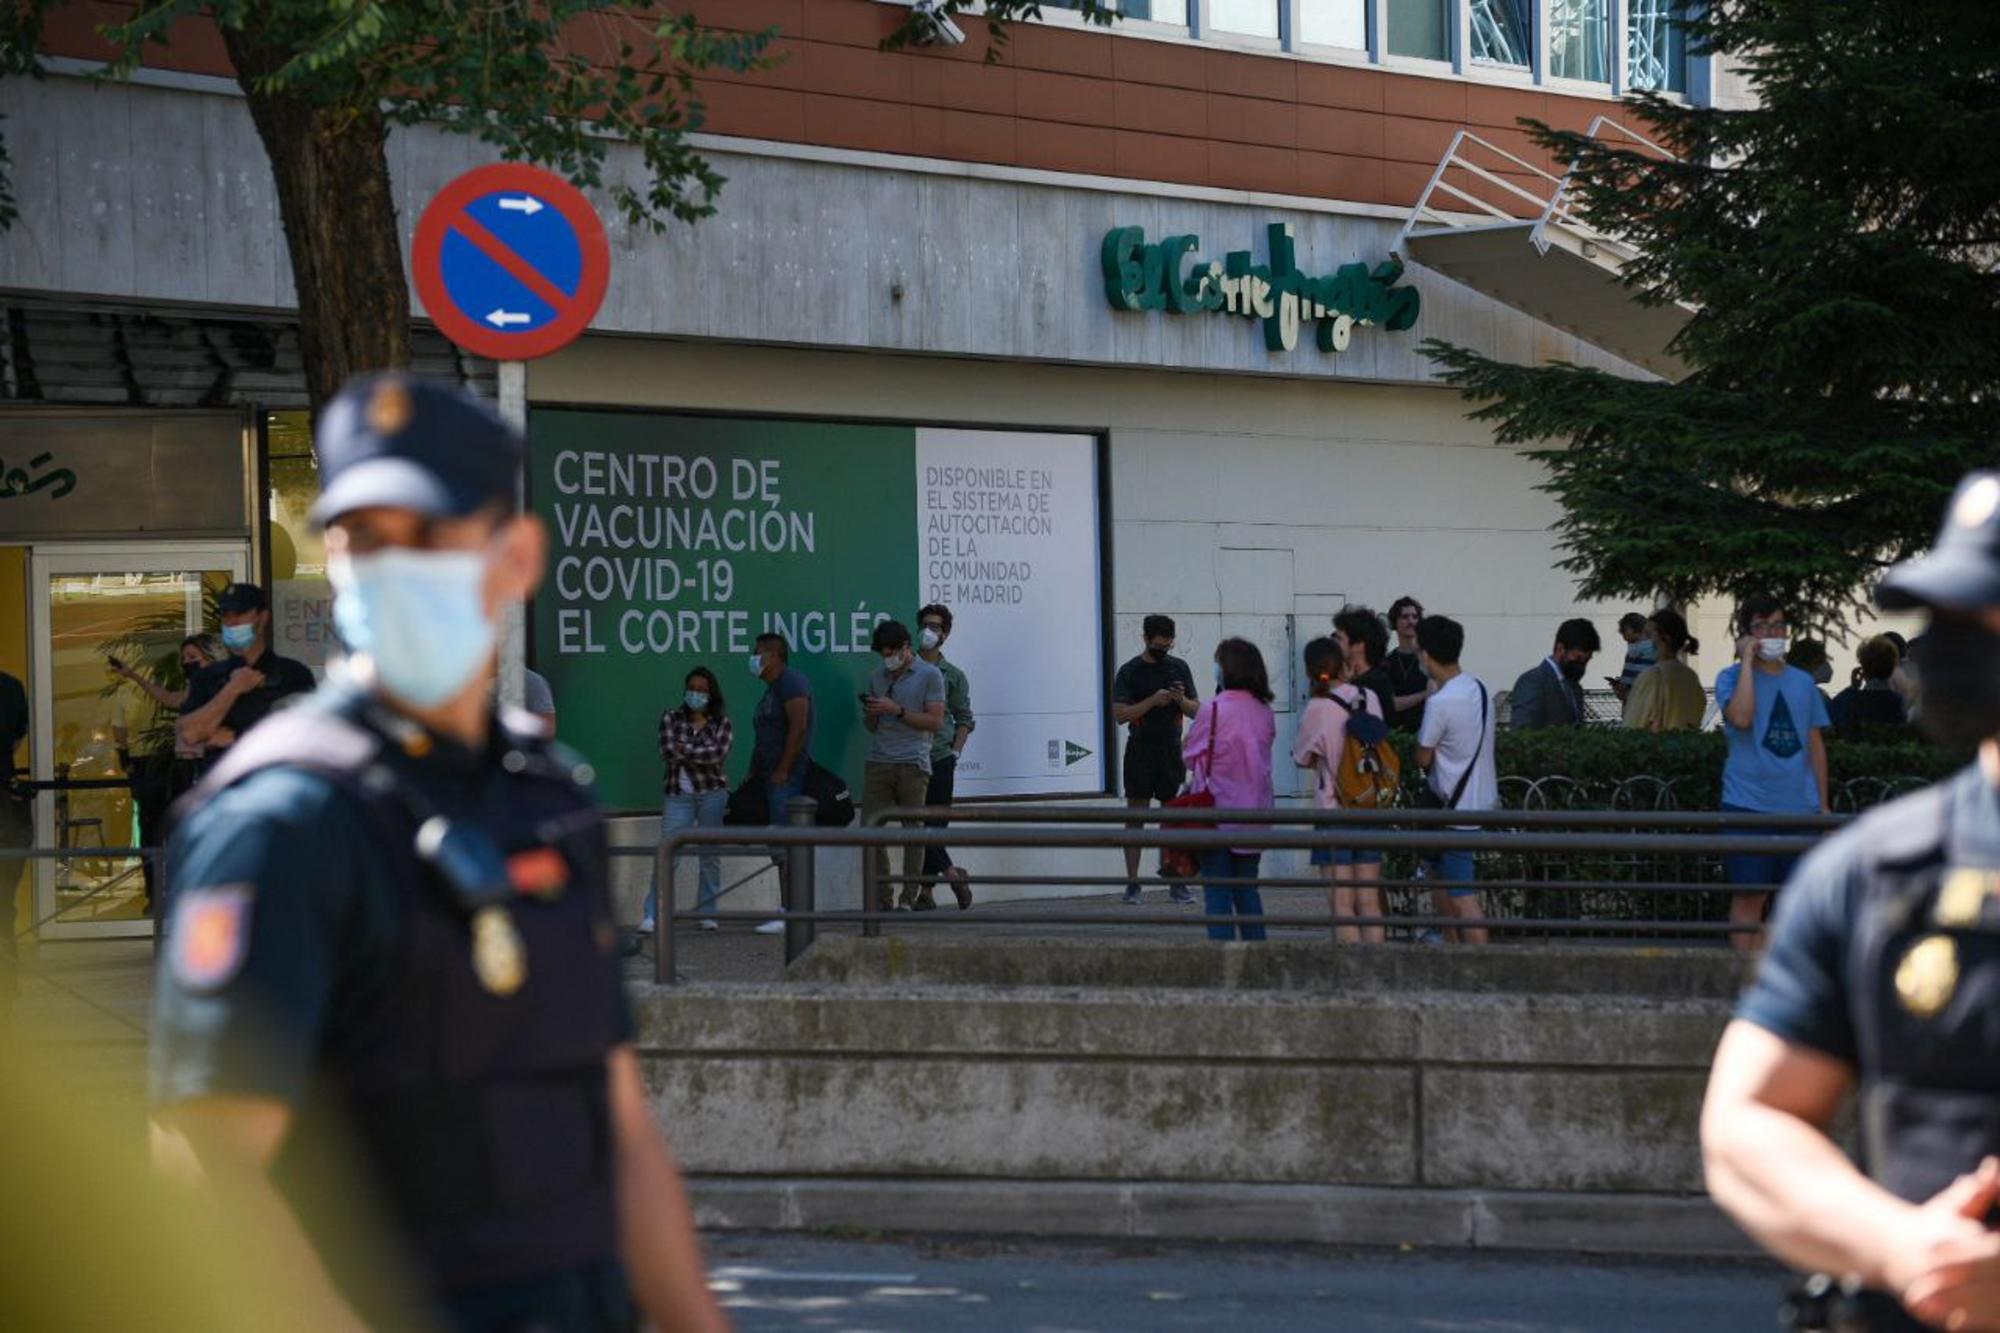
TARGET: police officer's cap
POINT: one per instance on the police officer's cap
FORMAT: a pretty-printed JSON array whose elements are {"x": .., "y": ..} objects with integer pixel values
[
  {"x": 396, "y": 440},
  {"x": 1962, "y": 571},
  {"x": 239, "y": 598}
]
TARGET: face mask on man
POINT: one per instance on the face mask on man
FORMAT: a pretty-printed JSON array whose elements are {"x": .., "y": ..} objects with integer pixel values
[
  {"x": 1573, "y": 669},
  {"x": 929, "y": 639},
  {"x": 1773, "y": 650},
  {"x": 896, "y": 661},
  {"x": 420, "y": 616},
  {"x": 1958, "y": 660},
  {"x": 236, "y": 638},
  {"x": 756, "y": 664}
]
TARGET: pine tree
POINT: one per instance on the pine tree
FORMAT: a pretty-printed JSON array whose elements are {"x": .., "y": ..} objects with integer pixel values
[{"x": 1838, "y": 243}]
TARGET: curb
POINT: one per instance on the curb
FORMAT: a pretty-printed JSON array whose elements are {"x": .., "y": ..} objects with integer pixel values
[{"x": 1656, "y": 1225}]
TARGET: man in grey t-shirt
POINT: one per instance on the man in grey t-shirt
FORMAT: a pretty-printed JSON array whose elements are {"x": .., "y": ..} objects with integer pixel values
[{"x": 903, "y": 709}]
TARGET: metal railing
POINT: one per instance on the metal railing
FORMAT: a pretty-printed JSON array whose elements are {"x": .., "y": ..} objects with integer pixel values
[{"x": 1620, "y": 845}]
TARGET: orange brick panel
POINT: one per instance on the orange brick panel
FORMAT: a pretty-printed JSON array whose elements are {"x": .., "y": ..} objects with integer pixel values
[
  {"x": 988, "y": 89},
  {"x": 1253, "y": 76},
  {"x": 1252, "y": 120},
  {"x": 1139, "y": 106},
  {"x": 1339, "y": 86},
  {"x": 1348, "y": 133},
  {"x": 1329, "y": 176},
  {"x": 1249, "y": 167},
  {"x": 1416, "y": 140},
  {"x": 1064, "y": 97},
  {"x": 849, "y": 122},
  {"x": 1165, "y": 63},
  {"x": 852, "y": 71},
  {"x": 1402, "y": 182},
  {"x": 1432, "y": 99},
  {"x": 1501, "y": 107},
  {"x": 787, "y": 16},
  {"x": 1161, "y": 157},
  {"x": 964, "y": 136},
  {"x": 753, "y": 112},
  {"x": 1061, "y": 50},
  {"x": 1087, "y": 149},
  {"x": 850, "y": 22}
]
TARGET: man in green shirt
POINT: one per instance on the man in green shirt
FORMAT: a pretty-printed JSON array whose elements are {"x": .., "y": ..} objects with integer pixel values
[{"x": 933, "y": 628}]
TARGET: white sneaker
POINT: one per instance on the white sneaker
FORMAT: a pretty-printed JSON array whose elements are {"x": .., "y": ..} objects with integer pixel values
[
  {"x": 707, "y": 924},
  {"x": 647, "y": 926},
  {"x": 772, "y": 927}
]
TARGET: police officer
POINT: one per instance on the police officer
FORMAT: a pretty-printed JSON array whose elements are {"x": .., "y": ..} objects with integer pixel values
[
  {"x": 390, "y": 973},
  {"x": 1883, "y": 977}
]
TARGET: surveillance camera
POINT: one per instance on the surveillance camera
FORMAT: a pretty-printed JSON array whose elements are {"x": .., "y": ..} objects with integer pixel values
[{"x": 939, "y": 29}]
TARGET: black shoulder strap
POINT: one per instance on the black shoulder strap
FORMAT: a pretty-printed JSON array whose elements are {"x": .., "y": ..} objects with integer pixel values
[{"x": 1458, "y": 792}]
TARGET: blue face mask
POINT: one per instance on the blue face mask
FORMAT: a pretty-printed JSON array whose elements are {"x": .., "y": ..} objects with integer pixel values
[
  {"x": 420, "y": 616},
  {"x": 236, "y": 638},
  {"x": 756, "y": 664},
  {"x": 696, "y": 700},
  {"x": 1218, "y": 678}
]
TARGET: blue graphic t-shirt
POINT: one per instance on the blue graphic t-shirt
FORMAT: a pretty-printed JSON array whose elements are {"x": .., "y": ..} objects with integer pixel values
[{"x": 1768, "y": 768}]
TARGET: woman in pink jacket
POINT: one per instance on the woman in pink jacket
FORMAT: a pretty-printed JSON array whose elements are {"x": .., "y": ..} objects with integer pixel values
[{"x": 1228, "y": 753}]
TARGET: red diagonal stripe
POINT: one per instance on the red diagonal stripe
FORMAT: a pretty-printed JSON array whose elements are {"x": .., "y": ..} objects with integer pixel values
[{"x": 496, "y": 250}]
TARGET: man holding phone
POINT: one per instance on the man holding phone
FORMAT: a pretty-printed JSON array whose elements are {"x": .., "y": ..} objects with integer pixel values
[
  {"x": 1151, "y": 696},
  {"x": 904, "y": 709}
]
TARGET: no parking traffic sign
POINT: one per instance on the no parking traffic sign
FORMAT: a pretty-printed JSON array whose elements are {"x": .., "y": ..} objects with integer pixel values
[{"x": 510, "y": 261}]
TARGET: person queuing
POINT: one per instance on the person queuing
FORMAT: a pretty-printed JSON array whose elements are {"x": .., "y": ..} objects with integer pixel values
[
  {"x": 1365, "y": 642},
  {"x": 1455, "y": 748},
  {"x": 1879, "y": 988},
  {"x": 903, "y": 708},
  {"x": 390, "y": 963},
  {"x": 1322, "y": 743},
  {"x": 947, "y": 744},
  {"x": 1550, "y": 694},
  {"x": 695, "y": 741},
  {"x": 1150, "y": 697},
  {"x": 1411, "y": 689},
  {"x": 1641, "y": 652},
  {"x": 1775, "y": 719},
  {"x": 1668, "y": 695},
  {"x": 227, "y": 699},
  {"x": 1228, "y": 750},
  {"x": 782, "y": 736},
  {"x": 1871, "y": 702}
]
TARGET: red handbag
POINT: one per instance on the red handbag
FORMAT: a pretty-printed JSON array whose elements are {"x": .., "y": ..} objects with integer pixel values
[{"x": 1179, "y": 863}]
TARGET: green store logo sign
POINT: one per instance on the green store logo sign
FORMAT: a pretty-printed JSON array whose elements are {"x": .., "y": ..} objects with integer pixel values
[{"x": 1142, "y": 276}]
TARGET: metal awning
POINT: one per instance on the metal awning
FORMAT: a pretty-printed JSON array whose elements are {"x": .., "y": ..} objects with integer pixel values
[{"x": 1501, "y": 225}]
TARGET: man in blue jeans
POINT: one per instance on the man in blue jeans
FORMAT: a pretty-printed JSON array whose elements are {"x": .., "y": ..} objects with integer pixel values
[
  {"x": 782, "y": 729},
  {"x": 1775, "y": 718}
]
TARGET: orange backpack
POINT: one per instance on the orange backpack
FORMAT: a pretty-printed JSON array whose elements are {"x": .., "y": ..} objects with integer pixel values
[{"x": 1369, "y": 775}]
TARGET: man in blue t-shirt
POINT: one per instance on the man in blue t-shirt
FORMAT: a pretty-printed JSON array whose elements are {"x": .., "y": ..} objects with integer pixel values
[{"x": 1773, "y": 715}]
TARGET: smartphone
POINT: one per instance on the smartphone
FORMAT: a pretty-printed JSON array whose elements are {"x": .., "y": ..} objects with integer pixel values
[
  {"x": 864, "y": 698},
  {"x": 1613, "y": 681}
]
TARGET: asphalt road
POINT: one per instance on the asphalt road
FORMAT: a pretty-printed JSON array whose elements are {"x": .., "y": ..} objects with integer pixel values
[{"x": 839, "y": 1286}]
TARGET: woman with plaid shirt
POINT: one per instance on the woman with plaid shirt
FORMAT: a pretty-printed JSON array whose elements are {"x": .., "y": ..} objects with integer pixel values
[{"x": 694, "y": 745}]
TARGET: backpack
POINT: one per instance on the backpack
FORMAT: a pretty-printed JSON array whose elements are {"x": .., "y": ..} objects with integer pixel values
[{"x": 1369, "y": 775}]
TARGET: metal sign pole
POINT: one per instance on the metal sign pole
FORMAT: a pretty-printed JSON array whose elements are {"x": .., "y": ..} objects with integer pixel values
[{"x": 514, "y": 636}]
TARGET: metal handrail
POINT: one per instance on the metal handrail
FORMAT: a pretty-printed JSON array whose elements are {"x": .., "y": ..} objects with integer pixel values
[
  {"x": 1344, "y": 818},
  {"x": 1452, "y": 158},
  {"x": 1557, "y": 202}
]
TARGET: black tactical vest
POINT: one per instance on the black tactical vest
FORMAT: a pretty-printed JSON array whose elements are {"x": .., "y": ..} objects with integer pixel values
[
  {"x": 481, "y": 1117},
  {"x": 1925, "y": 972}
]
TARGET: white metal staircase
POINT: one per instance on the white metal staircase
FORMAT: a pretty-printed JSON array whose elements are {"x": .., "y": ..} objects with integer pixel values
[{"x": 1504, "y": 226}]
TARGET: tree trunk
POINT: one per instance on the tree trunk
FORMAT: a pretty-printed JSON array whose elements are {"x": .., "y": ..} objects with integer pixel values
[{"x": 332, "y": 171}]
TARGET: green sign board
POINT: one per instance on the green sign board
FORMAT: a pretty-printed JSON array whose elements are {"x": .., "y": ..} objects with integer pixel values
[
  {"x": 1160, "y": 276},
  {"x": 677, "y": 540}
]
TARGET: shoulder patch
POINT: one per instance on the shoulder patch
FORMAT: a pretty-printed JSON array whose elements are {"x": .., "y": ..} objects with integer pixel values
[{"x": 211, "y": 936}]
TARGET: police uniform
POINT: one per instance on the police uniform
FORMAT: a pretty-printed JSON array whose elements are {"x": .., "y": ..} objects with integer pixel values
[
  {"x": 1885, "y": 948},
  {"x": 410, "y": 944}
]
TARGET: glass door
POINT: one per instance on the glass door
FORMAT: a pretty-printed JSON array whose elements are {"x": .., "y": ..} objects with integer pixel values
[{"x": 102, "y": 745}]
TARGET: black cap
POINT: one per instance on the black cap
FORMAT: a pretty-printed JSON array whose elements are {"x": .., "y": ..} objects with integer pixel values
[
  {"x": 393, "y": 439},
  {"x": 240, "y": 597},
  {"x": 1961, "y": 572}
]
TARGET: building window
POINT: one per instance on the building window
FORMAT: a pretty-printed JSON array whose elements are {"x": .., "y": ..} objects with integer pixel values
[
  {"x": 1151, "y": 11},
  {"x": 1501, "y": 31},
  {"x": 1420, "y": 28},
  {"x": 1334, "y": 23},
  {"x": 1658, "y": 49},
  {"x": 1579, "y": 40},
  {"x": 1248, "y": 18}
]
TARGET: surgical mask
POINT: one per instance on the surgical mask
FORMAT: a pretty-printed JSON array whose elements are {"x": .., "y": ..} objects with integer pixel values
[
  {"x": 1961, "y": 688},
  {"x": 1772, "y": 650},
  {"x": 1573, "y": 670},
  {"x": 420, "y": 616},
  {"x": 756, "y": 664},
  {"x": 696, "y": 700},
  {"x": 895, "y": 661},
  {"x": 929, "y": 639},
  {"x": 238, "y": 637},
  {"x": 1219, "y": 687}
]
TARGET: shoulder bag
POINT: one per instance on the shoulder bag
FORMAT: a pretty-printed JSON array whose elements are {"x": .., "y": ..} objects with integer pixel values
[
  {"x": 1427, "y": 797},
  {"x": 1178, "y": 862}
]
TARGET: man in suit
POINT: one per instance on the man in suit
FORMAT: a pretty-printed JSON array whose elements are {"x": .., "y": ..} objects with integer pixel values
[{"x": 1550, "y": 693}]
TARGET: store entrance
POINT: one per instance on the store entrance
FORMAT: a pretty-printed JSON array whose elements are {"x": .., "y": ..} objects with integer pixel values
[{"x": 100, "y": 746}]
